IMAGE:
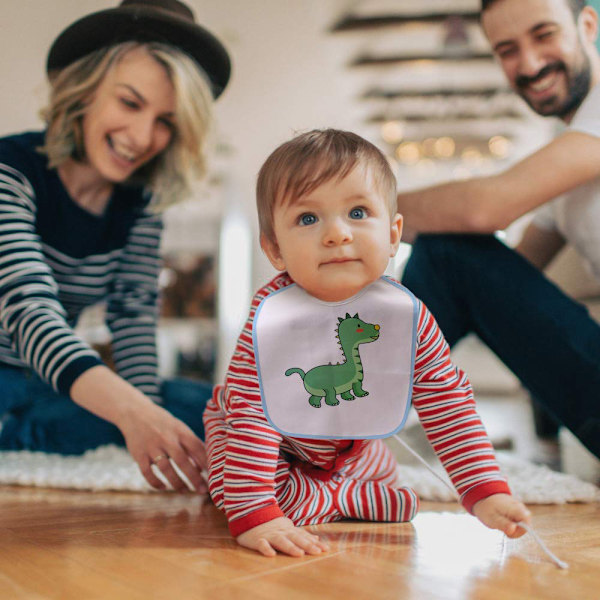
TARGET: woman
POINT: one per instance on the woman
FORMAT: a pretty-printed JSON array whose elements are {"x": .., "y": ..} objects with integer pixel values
[{"x": 129, "y": 112}]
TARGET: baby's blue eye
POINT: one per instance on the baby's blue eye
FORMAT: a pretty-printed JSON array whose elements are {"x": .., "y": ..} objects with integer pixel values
[
  {"x": 307, "y": 219},
  {"x": 357, "y": 213}
]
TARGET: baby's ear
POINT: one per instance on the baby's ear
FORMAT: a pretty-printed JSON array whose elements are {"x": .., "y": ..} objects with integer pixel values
[
  {"x": 395, "y": 233},
  {"x": 271, "y": 249}
]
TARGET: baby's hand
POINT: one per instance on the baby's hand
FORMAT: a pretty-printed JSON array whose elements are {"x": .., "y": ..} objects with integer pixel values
[
  {"x": 502, "y": 512},
  {"x": 281, "y": 534}
]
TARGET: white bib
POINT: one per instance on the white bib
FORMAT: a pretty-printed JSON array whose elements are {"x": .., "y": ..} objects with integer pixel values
[{"x": 336, "y": 370}]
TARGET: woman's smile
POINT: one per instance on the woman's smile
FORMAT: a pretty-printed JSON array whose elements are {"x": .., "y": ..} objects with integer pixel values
[{"x": 122, "y": 151}]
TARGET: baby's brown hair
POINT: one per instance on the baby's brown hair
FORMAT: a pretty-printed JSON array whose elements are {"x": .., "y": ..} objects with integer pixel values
[{"x": 299, "y": 166}]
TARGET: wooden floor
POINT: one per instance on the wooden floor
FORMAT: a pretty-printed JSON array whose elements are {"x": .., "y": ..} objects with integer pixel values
[{"x": 80, "y": 545}]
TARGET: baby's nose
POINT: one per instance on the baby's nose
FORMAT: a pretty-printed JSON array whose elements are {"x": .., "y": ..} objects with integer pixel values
[{"x": 336, "y": 233}]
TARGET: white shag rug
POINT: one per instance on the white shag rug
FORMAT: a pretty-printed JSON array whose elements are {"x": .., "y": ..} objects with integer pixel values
[
  {"x": 532, "y": 484},
  {"x": 112, "y": 468}
]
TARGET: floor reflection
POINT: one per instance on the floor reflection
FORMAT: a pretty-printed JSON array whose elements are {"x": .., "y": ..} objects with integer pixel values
[{"x": 456, "y": 544}]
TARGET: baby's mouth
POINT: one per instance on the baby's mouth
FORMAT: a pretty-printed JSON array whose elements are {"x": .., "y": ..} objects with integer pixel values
[{"x": 337, "y": 261}]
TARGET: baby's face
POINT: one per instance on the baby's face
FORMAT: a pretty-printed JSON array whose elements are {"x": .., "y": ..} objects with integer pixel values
[{"x": 337, "y": 239}]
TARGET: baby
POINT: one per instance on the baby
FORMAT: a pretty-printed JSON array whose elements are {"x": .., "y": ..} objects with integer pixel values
[{"x": 327, "y": 211}]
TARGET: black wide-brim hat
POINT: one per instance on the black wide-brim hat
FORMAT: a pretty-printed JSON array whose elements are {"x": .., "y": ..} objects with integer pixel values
[{"x": 167, "y": 21}]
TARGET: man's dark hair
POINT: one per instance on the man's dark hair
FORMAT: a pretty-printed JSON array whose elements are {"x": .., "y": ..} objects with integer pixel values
[{"x": 576, "y": 6}]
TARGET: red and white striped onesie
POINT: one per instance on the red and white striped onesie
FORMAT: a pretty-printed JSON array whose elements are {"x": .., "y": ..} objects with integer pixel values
[{"x": 256, "y": 474}]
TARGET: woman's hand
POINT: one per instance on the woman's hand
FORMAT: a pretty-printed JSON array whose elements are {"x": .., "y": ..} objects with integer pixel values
[
  {"x": 281, "y": 535},
  {"x": 502, "y": 512},
  {"x": 155, "y": 436},
  {"x": 152, "y": 434}
]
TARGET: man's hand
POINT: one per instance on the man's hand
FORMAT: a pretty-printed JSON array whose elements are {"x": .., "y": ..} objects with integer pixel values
[
  {"x": 502, "y": 512},
  {"x": 281, "y": 535}
]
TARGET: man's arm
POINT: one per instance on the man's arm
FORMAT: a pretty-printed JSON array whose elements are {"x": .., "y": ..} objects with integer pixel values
[
  {"x": 539, "y": 246},
  {"x": 486, "y": 204}
]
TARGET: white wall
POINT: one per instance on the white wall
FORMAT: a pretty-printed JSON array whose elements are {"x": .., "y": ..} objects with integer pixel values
[{"x": 27, "y": 29}]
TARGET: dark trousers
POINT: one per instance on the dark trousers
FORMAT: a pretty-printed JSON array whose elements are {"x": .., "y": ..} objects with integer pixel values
[
  {"x": 37, "y": 418},
  {"x": 474, "y": 283}
]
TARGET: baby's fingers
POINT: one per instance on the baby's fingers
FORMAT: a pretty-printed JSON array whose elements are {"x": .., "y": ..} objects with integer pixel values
[
  {"x": 288, "y": 544},
  {"x": 512, "y": 530},
  {"x": 311, "y": 544},
  {"x": 518, "y": 513},
  {"x": 503, "y": 523},
  {"x": 509, "y": 524},
  {"x": 265, "y": 548}
]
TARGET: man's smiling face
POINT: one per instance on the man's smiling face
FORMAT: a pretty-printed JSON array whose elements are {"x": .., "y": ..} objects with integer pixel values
[{"x": 543, "y": 51}]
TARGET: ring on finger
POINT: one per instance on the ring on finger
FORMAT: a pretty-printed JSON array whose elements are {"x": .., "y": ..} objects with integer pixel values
[{"x": 158, "y": 458}]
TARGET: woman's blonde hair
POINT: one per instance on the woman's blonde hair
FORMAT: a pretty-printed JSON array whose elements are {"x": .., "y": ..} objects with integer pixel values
[{"x": 170, "y": 175}]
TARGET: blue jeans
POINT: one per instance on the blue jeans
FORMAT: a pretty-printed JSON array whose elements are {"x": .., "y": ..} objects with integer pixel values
[
  {"x": 37, "y": 418},
  {"x": 474, "y": 283}
]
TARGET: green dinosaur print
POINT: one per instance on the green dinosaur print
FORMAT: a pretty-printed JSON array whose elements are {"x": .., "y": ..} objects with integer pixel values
[{"x": 327, "y": 381}]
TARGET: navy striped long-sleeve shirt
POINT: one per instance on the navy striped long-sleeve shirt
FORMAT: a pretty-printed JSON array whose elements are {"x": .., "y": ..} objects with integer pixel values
[{"x": 57, "y": 259}]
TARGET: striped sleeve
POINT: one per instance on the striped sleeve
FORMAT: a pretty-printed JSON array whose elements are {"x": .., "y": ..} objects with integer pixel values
[
  {"x": 443, "y": 399},
  {"x": 251, "y": 449},
  {"x": 132, "y": 307},
  {"x": 30, "y": 311}
]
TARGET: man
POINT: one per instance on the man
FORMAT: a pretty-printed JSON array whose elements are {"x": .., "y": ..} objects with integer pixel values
[{"x": 474, "y": 282}]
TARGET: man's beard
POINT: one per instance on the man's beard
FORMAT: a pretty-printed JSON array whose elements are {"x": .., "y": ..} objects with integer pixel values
[{"x": 578, "y": 86}]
